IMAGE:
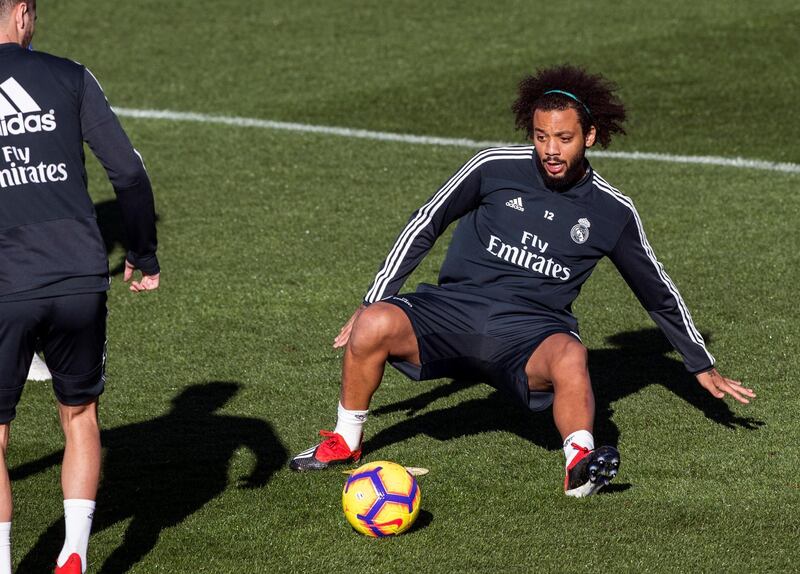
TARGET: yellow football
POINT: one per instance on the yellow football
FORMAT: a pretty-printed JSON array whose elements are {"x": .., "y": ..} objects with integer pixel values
[{"x": 381, "y": 499}]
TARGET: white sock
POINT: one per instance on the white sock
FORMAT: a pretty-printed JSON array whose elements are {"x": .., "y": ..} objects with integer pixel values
[
  {"x": 78, "y": 516},
  {"x": 5, "y": 548},
  {"x": 581, "y": 438},
  {"x": 349, "y": 424}
]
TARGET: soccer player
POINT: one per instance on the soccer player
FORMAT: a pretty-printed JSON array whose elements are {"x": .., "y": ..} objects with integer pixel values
[
  {"x": 533, "y": 222},
  {"x": 53, "y": 264}
]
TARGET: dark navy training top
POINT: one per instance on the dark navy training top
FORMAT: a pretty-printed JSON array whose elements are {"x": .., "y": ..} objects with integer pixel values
[
  {"x": 50, "y": 243},
  {"x": 522, "y": 244}
]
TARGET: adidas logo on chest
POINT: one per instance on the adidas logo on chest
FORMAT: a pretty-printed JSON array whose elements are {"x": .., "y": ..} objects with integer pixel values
[{"x": 516, "y": 204}]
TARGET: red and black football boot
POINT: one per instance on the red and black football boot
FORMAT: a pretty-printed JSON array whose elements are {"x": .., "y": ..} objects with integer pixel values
[
  {"x": 71, "y": 566},
  {"x": 590, "y": 470},
  {"x": 333, "y": 450}
]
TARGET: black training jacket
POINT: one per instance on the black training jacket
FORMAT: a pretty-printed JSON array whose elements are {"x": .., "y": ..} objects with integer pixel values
[
  {"x": 531, "y": 249},
  {"x": 50, "y": 243}
]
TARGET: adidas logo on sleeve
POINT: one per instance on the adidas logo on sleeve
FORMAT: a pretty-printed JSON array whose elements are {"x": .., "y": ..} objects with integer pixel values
[{"x": 516, "y": 204}]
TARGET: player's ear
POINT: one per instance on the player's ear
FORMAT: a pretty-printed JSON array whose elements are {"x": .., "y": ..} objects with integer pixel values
[
  {"x": 20, "y": 12},
  {"x": 591, "y": 136}
]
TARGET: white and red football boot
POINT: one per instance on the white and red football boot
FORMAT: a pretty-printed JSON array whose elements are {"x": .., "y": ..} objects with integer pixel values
[
  {"x": 71, "y": 566},
  {"x": 333, "y": 450},
  {"x": 590, "y": 470}
]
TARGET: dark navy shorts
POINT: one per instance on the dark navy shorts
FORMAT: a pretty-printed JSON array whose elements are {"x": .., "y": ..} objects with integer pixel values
[
  {"x": 70, "y": 330},
  {"x": 473, "y": 338}
]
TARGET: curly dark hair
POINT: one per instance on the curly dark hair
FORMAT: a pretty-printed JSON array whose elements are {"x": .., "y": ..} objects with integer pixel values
[{"x": 599, "y": 106}]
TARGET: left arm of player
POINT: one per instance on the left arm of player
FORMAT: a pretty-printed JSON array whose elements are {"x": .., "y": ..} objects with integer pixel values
[
  {"x": 126, "y": 171},
  {"x": 634, "y": 258}
]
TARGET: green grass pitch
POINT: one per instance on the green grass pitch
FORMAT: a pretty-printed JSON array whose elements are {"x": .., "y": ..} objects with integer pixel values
[{"x": 269, "y": 239}]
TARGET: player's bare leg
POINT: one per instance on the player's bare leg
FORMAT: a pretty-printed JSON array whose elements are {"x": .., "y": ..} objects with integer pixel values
[
  {"x": 381, "y": 331},
  {"x": 560, "y": 365},
  {"x": 6, "y": 505},
  {"x": 80, "y": 475},
  {"x": 378, "y": 332},
  {"x": 80, "y": 472}
]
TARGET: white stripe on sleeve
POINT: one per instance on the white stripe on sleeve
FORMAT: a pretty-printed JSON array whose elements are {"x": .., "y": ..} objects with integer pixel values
[{"x": 426, "y": 212}]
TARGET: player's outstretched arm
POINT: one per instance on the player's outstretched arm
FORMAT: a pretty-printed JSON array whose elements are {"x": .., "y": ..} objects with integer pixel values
[
  {"x": 147, "y": 283},
  {"x": 720, "y": 386},
  {"x": 344, "y": 335}
]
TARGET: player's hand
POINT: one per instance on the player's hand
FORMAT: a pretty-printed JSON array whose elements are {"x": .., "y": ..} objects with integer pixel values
[
  {"x": 344, "y": 335},
  {"x": 720, "y": 386},
  {"x": 147, "y": 283}
]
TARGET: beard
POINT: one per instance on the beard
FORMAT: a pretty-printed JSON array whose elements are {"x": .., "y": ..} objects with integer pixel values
[{"x": 572, "y": 176}]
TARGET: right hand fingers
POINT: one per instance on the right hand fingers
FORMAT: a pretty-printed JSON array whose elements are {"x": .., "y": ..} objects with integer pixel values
[
  {"x": 344, "y": 335},
  {"x": 342, "y": 338}
]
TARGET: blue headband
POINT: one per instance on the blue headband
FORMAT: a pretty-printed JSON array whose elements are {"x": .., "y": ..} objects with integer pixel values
[{"x": 570, "y": 96}]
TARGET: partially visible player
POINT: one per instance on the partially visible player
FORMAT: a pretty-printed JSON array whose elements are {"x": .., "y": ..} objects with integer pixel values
[
  {"x": 534, "y": 221},
  {"x": 53, "y": 264}
]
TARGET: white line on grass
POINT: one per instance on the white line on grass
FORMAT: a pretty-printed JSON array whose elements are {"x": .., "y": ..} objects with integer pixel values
[{"x": 430, "y": 140}]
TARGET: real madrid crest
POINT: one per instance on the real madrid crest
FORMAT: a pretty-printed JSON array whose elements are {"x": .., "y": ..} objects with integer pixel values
[{"x": 580, "y": 231}]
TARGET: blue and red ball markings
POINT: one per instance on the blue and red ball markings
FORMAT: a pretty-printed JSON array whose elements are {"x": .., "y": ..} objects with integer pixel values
[{"x": 383, "y": 498}]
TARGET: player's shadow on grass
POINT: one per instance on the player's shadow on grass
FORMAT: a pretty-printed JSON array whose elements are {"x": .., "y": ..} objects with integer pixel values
[
  {"x": 159, "y": 472},
  {"x": 639, "y": 359},
  {"x": 112, "y": 228}
]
